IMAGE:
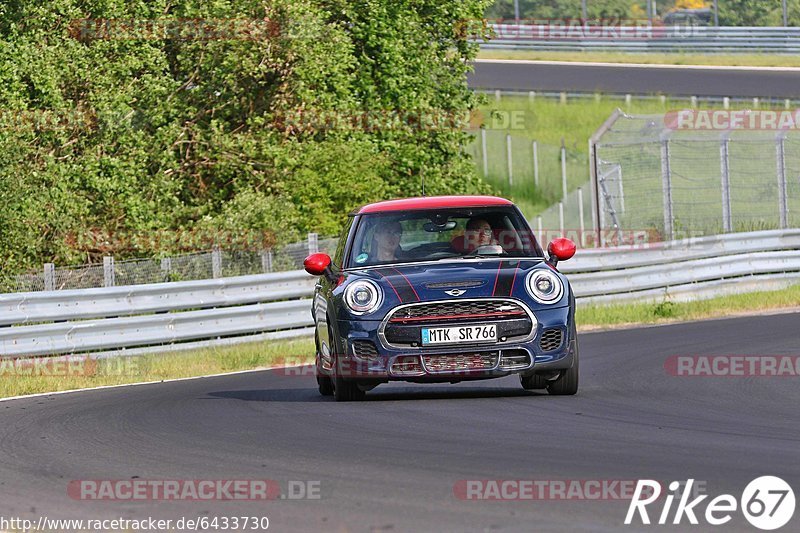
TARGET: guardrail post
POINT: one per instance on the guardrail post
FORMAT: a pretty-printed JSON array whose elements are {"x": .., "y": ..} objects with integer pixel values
[
  {"x": 724, "y": 165},
  {"x": 266, "y": 261},
  {"x": 693, "y": 102},
  {"x": 313, "y": 243},
  {"x": 484, "y": 153},
  {"x": 783, "y": 206},
  {"x": 726, "y": 103},
  {"x": 166, "y": 267},
  {"x": 666, "y": 188},
  {"x": 531, "y": 96},
  {"x": 509, "y": 165},
  {"x": 108, "y": 271},
  {"x": 536, "y": 164},
  {"x": 216, "y": 263},
  {"x": 497, "y": 95},
  {"x": 49, "y": 277}
]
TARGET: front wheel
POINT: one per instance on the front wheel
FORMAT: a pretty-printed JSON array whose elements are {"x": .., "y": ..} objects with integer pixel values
[
  {"x": 346, "y": 390},
  {"x": 567, "y": 384}
]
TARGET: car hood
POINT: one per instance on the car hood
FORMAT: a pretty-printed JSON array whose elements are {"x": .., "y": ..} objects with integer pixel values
[{"x": 409, "y": 283}]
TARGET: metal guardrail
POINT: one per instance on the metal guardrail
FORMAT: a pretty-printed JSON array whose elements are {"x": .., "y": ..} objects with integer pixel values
[
  {"x": 158, "y": 315},
  {"x": 698, "y": 39}
]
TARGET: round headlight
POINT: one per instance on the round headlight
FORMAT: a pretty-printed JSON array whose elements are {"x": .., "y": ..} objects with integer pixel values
[
  {"x": 545, "y": 286},
  {"x": 363, "y": 297}
]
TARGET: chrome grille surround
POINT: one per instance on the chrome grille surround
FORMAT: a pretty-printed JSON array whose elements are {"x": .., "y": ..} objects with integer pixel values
[{"x": 479, "y": 303}]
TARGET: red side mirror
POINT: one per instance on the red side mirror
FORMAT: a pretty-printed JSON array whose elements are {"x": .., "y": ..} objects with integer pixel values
[
  {"x": 562, "y": 249},
  {"x": 317, "y": 264}
]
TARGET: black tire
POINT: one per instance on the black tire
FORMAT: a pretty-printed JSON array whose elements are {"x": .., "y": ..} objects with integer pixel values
[
  {"x": 324, "y": 382},
  {"x": 344, "y": 390},
  {"x": 567, "y": 384},
  {"x": 325, "y": 385},
  {"x": 533, "y": 382}
]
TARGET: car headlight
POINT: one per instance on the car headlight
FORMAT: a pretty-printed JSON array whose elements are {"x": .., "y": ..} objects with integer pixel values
[
  {"x": 363, "y": 297},
  {"x": 545, "y": 286}
]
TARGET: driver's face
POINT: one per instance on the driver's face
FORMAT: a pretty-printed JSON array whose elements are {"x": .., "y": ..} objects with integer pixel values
[{"x": 389, "y": 235}]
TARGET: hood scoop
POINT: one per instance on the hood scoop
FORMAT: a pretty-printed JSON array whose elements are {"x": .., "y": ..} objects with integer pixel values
[{"x": 466, "y": 284}]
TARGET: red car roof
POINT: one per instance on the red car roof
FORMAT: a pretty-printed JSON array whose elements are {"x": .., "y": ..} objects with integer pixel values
[{"x": 433, "y": 202}]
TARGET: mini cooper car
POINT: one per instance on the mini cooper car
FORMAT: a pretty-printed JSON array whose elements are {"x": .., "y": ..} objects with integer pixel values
[{"x": 441, "y": 290}]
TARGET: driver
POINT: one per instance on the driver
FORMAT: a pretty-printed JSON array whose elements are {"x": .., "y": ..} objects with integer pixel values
[{"x": 386, "y": 241}]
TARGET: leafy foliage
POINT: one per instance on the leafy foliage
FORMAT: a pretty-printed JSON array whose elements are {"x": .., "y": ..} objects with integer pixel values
[{"x": 148, "y": 132}]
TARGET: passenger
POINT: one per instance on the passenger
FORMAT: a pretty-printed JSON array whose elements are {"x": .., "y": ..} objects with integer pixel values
[{"x": 478, "y": 233}]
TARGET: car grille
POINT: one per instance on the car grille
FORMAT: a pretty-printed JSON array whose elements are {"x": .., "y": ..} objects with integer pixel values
[
  {"x": 365, "y": 349},
  {"x": 460, "y": 362},
  {"x": 551, "y": 339},
  {"x": 404, "y": 325},
  {"x": 468, "y": 309}
]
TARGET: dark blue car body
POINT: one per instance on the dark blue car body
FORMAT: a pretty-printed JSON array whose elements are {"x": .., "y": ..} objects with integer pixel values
[{"x": 356, "y": 352}]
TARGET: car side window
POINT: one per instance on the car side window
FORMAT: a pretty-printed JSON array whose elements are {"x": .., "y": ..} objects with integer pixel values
[{"x": 338, "y": 256}]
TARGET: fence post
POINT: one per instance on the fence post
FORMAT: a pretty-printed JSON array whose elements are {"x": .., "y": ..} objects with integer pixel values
[
  {"x": 266, "y": 261},
  {"x": 484, "y": 153},
  {"x": 508, "y": 160},
  {"x": 166, "y": 267},
  {"x": 724, "y": 165},
  {"x": 216, "y": 263},
  {"x": 783, "y": 206},
  {"x": 561, "y": 217},
  {"x": 108, "y": 271},
  {"x": 313, "y": 243},
  {"x": 536, "y": 164},
  {"x": 582, "y": 225},
  {"x": 539, "y": 228},
  {"x": 49, "y": 277},
  {"x": 666, "y": 188},
  {"x": 563, "y": 170}
]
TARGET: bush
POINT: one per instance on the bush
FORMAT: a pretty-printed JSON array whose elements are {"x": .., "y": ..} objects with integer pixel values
[{"x": 150, "y": 135}]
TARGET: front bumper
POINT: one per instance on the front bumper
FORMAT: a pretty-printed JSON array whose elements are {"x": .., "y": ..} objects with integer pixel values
[{"x": 453, "y": 363}]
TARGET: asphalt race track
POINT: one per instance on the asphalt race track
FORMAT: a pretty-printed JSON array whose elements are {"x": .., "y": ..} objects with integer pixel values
[
  {"x": 391, "y": 462},
  {"x": 707, "y": 81}
]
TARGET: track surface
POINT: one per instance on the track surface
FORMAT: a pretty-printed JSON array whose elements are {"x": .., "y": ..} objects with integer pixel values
[
  {"x": 390, "y": 463},
  {"x": 533, "y": 76}
]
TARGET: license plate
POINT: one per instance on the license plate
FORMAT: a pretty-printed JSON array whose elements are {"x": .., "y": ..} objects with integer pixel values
[{"x": 459, "y": 334}]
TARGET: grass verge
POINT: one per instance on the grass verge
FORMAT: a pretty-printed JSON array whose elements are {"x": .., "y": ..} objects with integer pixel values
[
  {"x": 117, "y": 371},
  {"x": 743, "y": 60},
  {"x": 600, "y": 317},
  {"x": 21, "y": 380}
]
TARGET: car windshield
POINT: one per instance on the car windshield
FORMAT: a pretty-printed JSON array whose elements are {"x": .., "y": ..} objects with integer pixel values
[{"x": 385, "y": 238}]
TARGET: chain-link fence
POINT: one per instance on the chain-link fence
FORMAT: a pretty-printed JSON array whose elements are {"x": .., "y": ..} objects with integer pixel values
[
  {"x": 532, "y": 172},
  {"x": 691, "y": 173},
  {"x": 201, "y": 265}
]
